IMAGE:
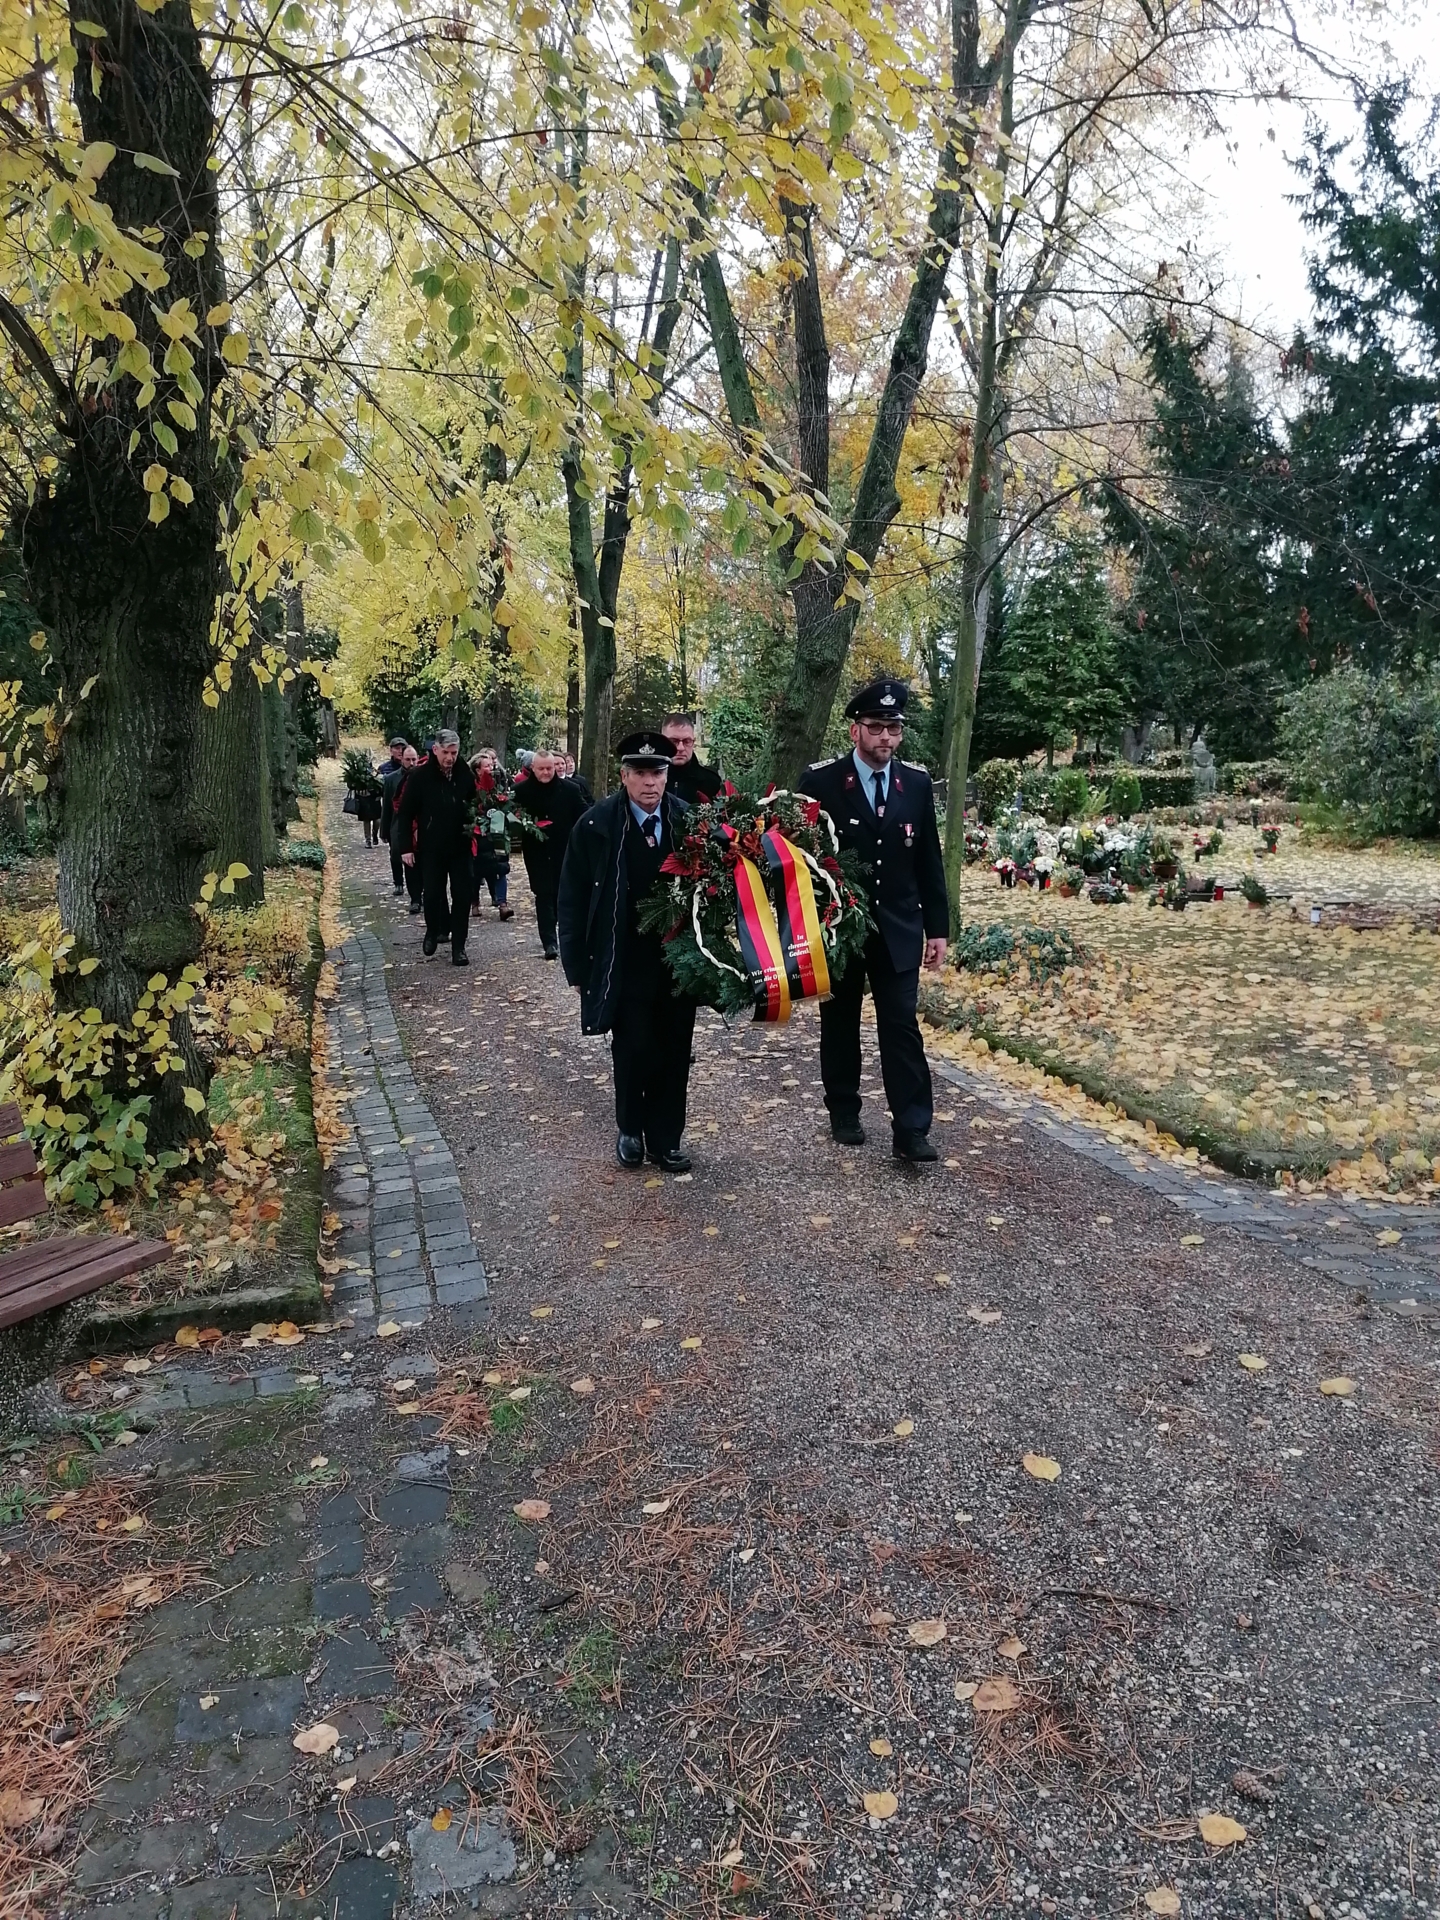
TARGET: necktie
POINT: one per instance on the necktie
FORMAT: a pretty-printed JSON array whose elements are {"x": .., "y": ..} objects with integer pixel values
[
  {"x": 651, "y": 829},
  {"x": 879, "y": 795}
]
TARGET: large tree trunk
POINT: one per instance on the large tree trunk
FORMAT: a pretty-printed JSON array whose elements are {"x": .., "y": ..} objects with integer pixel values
[
  {"x": 233, "y": 787},
  {"x": 128, "y": 602},
  {"x": 961, "y": 714}
]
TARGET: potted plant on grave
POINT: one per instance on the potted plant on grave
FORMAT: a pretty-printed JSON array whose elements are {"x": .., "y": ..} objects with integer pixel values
[
  {"x": 1271, "y": 837},
  {"x": 1109, "y": 892},
  {"x": 1071, "y": 882},
  {"x": 1164, "y": 856},
  {"x": 1174, "y": 894},
  {"x": 1253, "y": 891}
]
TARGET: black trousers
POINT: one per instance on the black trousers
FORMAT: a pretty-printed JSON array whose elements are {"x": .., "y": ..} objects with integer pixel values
[
  {"x": 400, "y": 874},
  {"x": 903, "y": 1066},
  {"x": 547, "y": 908},
  {"x": 448, "y": 919},
  {"x": 650, "y": 1044}
]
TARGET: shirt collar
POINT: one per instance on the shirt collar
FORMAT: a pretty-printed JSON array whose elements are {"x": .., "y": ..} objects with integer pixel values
[
  {"x": 641, "y": 816},
  {"x": 867, "y": 775}
]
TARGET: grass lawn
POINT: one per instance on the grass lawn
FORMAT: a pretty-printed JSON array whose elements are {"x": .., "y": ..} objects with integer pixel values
[{"x": 1249, "y": 1027}]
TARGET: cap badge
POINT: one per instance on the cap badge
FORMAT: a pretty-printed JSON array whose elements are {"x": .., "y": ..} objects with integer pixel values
[{"x": 887, "y": 699}]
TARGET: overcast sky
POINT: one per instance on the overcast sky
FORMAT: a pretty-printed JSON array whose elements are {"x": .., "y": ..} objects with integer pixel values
[{"x": 1249, "y": 227}]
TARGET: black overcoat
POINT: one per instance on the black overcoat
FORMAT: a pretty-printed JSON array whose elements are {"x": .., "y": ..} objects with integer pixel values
[
  {"x": 443, "y": 810},
  {"x": 593, "y": 917}
]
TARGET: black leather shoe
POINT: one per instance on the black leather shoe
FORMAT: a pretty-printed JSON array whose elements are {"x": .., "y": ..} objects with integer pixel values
[
  {"x": 670, "y": 1160},
  {"x": 416, "y": 906},
  {"x": 914, "y": 1147},
  {"x": 428, "y": 945},
  {"x": 629, "y": 1149},
  {"x": 847, "y": 1133},
  {"x": 461, "y": 959},
  {"x": 552, "y": 953}
]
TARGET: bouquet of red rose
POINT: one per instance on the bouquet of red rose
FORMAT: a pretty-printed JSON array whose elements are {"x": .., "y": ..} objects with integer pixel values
[{"x": 758, "y": 905}]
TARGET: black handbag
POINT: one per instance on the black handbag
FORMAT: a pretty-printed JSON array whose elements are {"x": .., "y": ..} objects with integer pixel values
[{"x": 350, "y": 806}]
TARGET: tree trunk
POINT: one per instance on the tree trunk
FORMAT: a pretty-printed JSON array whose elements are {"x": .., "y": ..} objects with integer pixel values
[
  {"x": 572, "y": 692},
  {"x": 127, "y": 601},
  {"x": 233, "y": 786},
  {"x": 972, "y": 567}
]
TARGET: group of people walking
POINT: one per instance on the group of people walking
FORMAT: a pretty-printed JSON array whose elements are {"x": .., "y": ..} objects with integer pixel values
[{"x": 448, "y": 825}]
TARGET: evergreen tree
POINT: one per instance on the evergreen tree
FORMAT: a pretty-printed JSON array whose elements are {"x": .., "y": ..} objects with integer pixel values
[
  {"x": 1366, "y": 441},
  {"x": 1053, "y": 670},
  {"x": 1215, "y": 622}
]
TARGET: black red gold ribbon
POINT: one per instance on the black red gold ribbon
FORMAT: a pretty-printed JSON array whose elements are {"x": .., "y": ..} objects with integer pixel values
[{"x": 782, "y": 942}]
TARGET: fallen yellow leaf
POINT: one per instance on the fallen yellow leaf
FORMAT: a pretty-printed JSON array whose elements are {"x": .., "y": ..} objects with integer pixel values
[
  {"x": 583, "y": 1385},
  {"x": 401, "y": 1386},
  {"x": 138, "y": 1366},
  {"x": 541, "y": 1313},
  {"x": 691, "y": 1343},
  {"x": 1341, "y": 1386},
  {"x": 996, "y": 1695},
  {"x": 1041, "y": 1467},
  {"x": 440, "y": 1821},
  {"x": 655, "y": 1508},
  {"x": 1219, "y": 1830},
  {"x": 133, "y": 1523},
  {"x": 1011, "y": 1647},
  {"x": 942, "y": 1280},
  {"x": 208, "y": 1700},
  {"x": 492, "y": 1379},
  {"x": 881, "y": 1806},
  {"x": 926, "y": 1633},
  {"x": 904, "y": 1428},
  {"x": 532, "y": 1510},
  {"x": 407, "y": 1406},
  {"x": 318, "y": 1461},
  {"x": 881, "y": 1748},
  {"x": 187, "y": 1336},
  {"x": 654, "y": 1181},
  {"x": 321, "y": 1738},
  {"x": 983, "y": 1316},
  {"x": 611, "y": 1245},
  {"x": 1192, "y": 1239},
  {"x": 517, "y": 1394},
  {"x": 19, "y": 1809},
  {"x": 1387, "y": 1237},
  {"x": 650, "y": 1323},
  {"x": 966, "y": 1689},
  {"x": 1163, "y": 1900},
  {"x": 387, "y": 1329},
  {"x": 1254, "y": 1362},
  {"x": 734, "y": 1858}
]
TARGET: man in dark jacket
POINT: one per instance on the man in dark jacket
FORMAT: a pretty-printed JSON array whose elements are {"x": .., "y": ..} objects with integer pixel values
[
  {"x": 576, "y": 778},
  {"x": 392, "y": 775},
  {"x": 884, "y": 810},
  {"x": 554, "y": 804},
  {"x": 402, "y": 837},
  {"x": 614, "y": 860},
  {"x": 689, "y": 778},
  {"x": 437, "y": 817}
]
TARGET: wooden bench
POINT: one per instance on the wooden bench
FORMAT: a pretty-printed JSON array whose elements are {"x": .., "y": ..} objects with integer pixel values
[{"x": 51, "y": 1273}]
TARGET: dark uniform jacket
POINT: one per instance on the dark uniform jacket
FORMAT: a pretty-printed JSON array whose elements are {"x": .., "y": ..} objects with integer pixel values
[
  {"x": 392, "y": 778},
  {"x": 442, "y": 810},
  {"x": 694, "y": 783},
  {"x": 905, "y": 871},
  {"x": 594, "y": 916},
  {"x": 555, "y": 805}
]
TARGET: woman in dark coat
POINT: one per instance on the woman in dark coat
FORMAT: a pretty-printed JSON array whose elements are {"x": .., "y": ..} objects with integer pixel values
[{"x": 554, "y": 804}]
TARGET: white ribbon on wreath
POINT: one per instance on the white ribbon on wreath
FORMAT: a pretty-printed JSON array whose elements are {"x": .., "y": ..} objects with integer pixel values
[{"x": 828, "y": 934}]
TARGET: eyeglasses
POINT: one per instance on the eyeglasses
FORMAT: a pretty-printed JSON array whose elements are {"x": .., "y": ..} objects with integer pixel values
[{"x": 897, "y": 727}]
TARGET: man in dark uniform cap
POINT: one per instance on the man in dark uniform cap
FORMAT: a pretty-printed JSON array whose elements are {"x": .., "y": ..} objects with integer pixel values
[
  {"x": 611, "y": 863},
  {"x": 884, "y": 810}
]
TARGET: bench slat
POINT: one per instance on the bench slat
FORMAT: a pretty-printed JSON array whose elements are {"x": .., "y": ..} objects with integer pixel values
[
  {"x": 60, "y": 1254},
  {"x": 17, "y": 1162},
  {"x": 114, "y": 1260},
  {"x": 23, "y": 1202},
  {"x": 11, "y": 1119}
]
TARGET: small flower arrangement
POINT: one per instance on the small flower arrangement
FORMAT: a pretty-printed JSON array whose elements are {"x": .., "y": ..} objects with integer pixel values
[{"x": 1271, "y": 837}]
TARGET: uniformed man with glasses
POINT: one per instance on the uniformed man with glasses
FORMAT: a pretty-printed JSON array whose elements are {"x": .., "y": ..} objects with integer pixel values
[{"x": 884, "y": 811}]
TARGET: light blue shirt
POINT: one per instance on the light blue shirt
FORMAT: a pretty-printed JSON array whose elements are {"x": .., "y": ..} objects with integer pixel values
[
  {"x": 867, "y": 775},
  {"x": 641, "y": 816}
]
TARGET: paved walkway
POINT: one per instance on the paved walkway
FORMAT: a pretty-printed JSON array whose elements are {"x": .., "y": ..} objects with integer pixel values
[{"x": 697, "y": 1570}]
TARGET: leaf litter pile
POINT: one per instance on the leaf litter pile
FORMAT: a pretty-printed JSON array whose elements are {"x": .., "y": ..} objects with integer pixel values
[
  {"x": 80, "y": 1571},
  {"x": 1321, "y": 1043}
]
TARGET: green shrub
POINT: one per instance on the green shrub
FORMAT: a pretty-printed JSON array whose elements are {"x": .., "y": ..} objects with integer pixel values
[
  {"x": 1124, "y": 794},
  {"x": 995, "y": 785},
  {"x": 1253, "y": 778},
  {"x": 1070, "y": 796},
  {"x": 1043, "y": 951},
  {"x": 302, "y": 853},
  {"x": 1035, "y": 789},
  {"x": 1370, "y": 745}
]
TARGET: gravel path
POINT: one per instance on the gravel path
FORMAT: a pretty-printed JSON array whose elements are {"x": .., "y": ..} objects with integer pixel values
[{"x": 822, "y": 1372}]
